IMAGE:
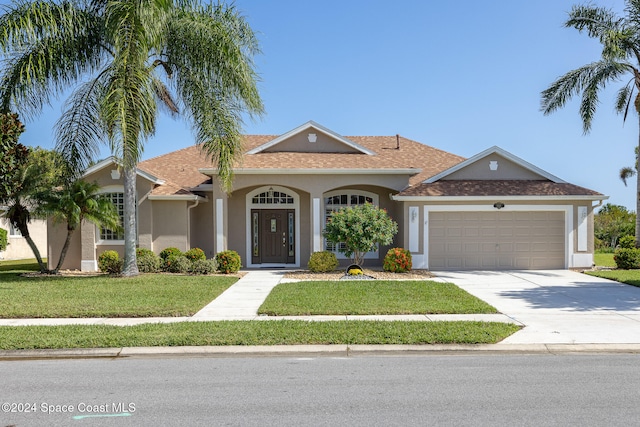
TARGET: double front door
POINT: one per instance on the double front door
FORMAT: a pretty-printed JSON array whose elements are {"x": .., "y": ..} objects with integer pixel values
[{"x": 273, "y": 239}]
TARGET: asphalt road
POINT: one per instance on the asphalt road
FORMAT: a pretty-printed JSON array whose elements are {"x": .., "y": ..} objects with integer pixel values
[{"x": 528, "y": 390}]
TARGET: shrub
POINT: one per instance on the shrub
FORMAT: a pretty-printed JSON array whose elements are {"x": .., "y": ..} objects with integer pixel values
[
  {"x": 627, "y": 258},
  {"x": 627, "y": 242},
  {"x": 203, "y": 266},
  {"x": 164, "y": 257},
  {"x": 167, "y": 252},
  {"x": 228, "y": 262},
  {"x": 195, "y": 254},
  {"x": 110, "y": 262},
  {"x": 322, "y": 262},
  {"x": 397, "y": 260},
  {"x": 4, "y": 242},
  {"x": 148, "y": 262},
  {"x": 177, "y": 264}
]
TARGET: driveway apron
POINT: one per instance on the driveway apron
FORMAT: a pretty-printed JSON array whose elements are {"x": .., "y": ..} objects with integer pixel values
[{"x": 557, "y": 306}]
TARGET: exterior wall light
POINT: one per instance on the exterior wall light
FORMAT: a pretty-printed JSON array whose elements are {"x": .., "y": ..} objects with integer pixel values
[{"x": 498, "y": 205}]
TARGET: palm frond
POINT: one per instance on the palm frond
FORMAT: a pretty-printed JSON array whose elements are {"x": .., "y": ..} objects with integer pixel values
[
  {"x": 79, "y": 130},
  {"x": 587, "y": 80},
  {"x": 47, "y": 47}
]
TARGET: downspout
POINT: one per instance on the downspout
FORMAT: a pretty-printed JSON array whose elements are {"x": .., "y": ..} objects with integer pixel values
[{"x": 189, "y": 221}]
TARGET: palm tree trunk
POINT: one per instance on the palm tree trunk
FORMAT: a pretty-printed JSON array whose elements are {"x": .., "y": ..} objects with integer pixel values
[
  {"x": 63, "y": 252},
  {"x": 36, "y": 252},
  {"x": 638, "y": 191},
  {"x": 24, "y": 230},
  {"x": 130, "y": 267}
]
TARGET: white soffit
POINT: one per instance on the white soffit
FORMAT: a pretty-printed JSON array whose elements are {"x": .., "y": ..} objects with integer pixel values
[
  {"x": 305, "y": 128},
  {"x": 495, "y": 150}
]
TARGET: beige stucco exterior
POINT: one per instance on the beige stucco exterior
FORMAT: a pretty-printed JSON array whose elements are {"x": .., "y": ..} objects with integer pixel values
[
  {"x": 18, "y": 247},
  {"x": 190, "y": 210}
]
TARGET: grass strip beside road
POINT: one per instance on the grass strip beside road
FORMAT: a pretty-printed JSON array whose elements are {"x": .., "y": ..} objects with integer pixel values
[
  {"x": 147, "y": 295},
  {"x": 367, "y": 297},
  {"x": 268, "y": 332}
]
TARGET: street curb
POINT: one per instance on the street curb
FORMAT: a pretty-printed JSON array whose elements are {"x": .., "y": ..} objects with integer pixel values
[{"x": 334, "y": 350}]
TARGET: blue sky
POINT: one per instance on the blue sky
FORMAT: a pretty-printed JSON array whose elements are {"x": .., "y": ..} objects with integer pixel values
[{"x": 461, "y": 76}]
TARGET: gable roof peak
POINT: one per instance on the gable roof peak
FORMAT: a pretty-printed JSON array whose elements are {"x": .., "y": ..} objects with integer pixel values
[
  {"x": 502, "y": 152},
  {"x": 319, "y": 128}
]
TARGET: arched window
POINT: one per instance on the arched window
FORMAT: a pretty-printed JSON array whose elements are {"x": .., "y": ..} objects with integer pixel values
[
  {"x": 343, "y": 198},
  {"x": 271, "y": 197}
]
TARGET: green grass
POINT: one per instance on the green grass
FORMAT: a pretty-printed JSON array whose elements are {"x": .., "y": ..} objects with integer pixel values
[
  {"x": 148, "y": 295},
  {"x": 283, "y": 332},
  {"x": 630, "y": 277},
  {"x": 604, "y": 260},
  {"x": 20, "y": 265},
  {"x": 370, "y": 297}
]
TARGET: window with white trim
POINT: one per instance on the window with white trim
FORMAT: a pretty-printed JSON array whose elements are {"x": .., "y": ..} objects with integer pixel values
[
  {"x": 118, "y": 200},
  {"x": 341, "y": 199},
  {"x": 14, "y": 231}
]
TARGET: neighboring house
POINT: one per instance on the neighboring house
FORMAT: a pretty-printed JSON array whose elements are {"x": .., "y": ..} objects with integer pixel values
[
  {"x": 492, "y": 211},
  {"x": 18, "y": 247}
]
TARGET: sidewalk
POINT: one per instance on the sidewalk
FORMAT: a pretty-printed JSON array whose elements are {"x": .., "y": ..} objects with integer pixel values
[{"x": 241, "y": 301}]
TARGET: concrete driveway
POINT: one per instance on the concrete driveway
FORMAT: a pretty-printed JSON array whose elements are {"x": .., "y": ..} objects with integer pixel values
[{"x": 558, "y": 306}]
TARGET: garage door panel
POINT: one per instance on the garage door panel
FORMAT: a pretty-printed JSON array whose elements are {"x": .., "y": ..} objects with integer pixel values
[{"x": 496, "y": 240}]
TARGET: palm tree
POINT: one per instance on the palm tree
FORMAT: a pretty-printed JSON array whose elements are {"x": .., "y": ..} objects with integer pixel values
[
  {"x": 74, "y": 203},
  {"x": 127, "y": 59},
  {"x": 41, "y": 171},
  {"x": 620, "y": 59}
]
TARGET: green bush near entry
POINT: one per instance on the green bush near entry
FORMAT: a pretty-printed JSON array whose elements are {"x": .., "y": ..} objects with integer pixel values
[
  {"x": 322, "y": 262},
  {"x": 228, "y": 262}
]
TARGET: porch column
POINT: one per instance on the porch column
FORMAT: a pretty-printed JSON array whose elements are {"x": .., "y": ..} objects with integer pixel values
[
  {"x": 220, "y": 220},
  {"x": 88, "y": 260},
  {"x": 317, "y": 225}
]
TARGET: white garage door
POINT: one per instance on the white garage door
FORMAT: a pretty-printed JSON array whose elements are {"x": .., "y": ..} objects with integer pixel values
[{"x": 496, "y": 240}]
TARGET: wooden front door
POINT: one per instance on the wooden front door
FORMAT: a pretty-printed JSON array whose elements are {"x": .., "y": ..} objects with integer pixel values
[{"x": 273, "y": 236}]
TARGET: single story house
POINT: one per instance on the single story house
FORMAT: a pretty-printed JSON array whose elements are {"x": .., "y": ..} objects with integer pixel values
[
  {"x": 18, "y": 247},
  {"x": 491, "y": 211}
]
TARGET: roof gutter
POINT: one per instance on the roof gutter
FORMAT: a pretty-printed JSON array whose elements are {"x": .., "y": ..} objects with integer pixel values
[
  {"x": 493, "y": 197},
  {"x": 289, "y": 171}
]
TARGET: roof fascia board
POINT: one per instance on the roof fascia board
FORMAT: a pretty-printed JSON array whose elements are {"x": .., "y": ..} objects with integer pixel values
[
  {"x": 311, "y": 125},
  {"x": 191, "y": 197},
  {"x": 491, "y": 198},
  {"x": 497, "y": 150},
  {"x": 112, "y": 161},
  {"x": 278, "y": 171}
]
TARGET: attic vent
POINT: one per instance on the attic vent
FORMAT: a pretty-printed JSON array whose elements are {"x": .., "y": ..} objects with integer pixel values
[
  {"x": 312, "y": 137},
  {"x": 493, "y": 165}
]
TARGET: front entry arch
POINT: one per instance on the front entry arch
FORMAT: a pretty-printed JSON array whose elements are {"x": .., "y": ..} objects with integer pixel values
[{"x": 273, "y": 227}]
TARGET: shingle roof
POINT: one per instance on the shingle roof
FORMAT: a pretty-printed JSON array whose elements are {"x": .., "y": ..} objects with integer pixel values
[
  {"x": 180, "y": 168},
  {"x": 497, "y": 188}
]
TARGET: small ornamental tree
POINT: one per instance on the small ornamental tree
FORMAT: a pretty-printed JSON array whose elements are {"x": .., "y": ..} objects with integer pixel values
[{"x": 361, "y": 228}]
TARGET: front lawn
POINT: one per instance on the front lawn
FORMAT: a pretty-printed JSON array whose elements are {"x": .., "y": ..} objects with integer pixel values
[
  {"x": 268, "y": 332},
  {"x": 147, "y": 295},
  {"x": 20, "y": 265},
  {"x": 604, "y": 260},
  {"x": 630, "y": 277},
  {"x": 370, "y": 297}
]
